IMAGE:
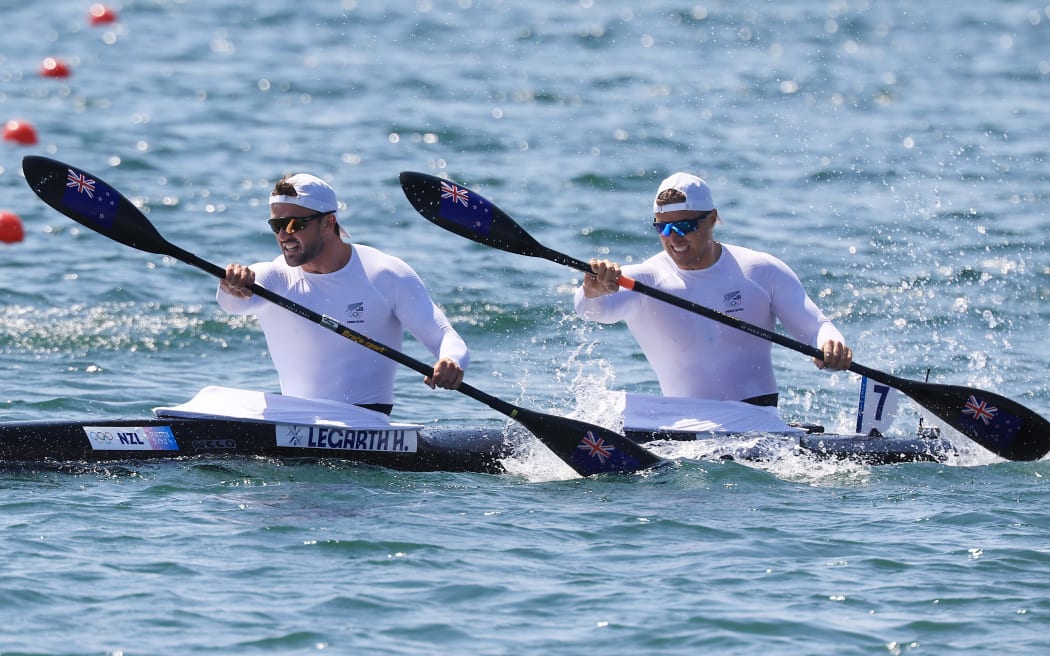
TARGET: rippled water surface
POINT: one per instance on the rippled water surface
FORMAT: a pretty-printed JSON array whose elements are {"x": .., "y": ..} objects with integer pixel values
[{"x": 893, "y": 153}]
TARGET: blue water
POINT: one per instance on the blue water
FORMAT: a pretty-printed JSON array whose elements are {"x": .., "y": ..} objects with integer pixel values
[{"x": 893, "y": 153}]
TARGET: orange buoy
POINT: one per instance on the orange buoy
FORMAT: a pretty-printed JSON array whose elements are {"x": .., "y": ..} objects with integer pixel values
[
  {"x": 100, "y": 14},
  {"x": 20, "y": 132},
  {"x": 11, "y": 230},
  {"x": 52, "y": 67}
]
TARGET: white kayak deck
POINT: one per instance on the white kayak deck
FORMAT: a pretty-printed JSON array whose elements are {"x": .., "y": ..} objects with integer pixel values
[
  {"x": 639, "y": 412},
  {"x": 215, "y": 402},
  {"x": 642, "y": 412}
]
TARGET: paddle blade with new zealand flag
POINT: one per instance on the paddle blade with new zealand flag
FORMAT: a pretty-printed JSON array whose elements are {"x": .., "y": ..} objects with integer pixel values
[
  {"x": 586, "y": 448},
  {"x": 467, "y": 213},
  {"x": 92, "y": 203},
  {"x": 1001, "y": 425}
]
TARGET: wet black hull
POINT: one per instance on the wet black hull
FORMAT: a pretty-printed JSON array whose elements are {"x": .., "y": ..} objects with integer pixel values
[{"x": 451, "y": 449}]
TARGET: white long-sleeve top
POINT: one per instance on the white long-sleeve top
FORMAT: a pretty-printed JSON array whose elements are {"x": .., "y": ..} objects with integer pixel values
[
  {"x": 697, "y": 357},
  {"x": 375, "y": 294}
]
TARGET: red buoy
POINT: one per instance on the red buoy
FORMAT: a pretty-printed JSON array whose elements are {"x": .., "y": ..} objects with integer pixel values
[
  {"x": 20, "y": 132},
  {"x": 100, "y": 14},
  {"x": 54, "y": 68},
  {"x": 11, "y": 228}
]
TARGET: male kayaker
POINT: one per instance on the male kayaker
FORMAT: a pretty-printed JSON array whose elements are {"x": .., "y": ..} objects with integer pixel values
[
  {"x": 694, "y": 356},
  {"x": 374, "y": 293}
]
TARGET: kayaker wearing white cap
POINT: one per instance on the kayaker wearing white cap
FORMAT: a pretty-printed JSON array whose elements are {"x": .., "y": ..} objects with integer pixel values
[
  {"x": 376, "y": 294},
  {"x": 691, "y": 355}
]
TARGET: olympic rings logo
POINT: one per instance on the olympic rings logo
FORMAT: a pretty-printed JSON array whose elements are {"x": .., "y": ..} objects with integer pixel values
[{"x": 105, "y": 437}]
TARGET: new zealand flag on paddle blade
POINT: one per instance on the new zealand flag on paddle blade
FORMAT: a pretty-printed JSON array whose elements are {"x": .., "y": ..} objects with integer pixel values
[
  {"x": 992, "y": 424},
  {"x": 465, "y": 208},
  {"x": 594, "y": 455},
  {"x": 89, "y": 198}
]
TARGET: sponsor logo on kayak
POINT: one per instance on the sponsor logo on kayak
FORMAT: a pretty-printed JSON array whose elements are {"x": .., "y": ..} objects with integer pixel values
[
  {"x": 214, "y": 445},
  {"x": 131, "y": 438},
  {"x": 392, "y": 440}
]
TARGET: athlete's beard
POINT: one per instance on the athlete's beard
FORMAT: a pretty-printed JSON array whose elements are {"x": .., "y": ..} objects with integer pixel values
[{"x": 300, "y": 253}]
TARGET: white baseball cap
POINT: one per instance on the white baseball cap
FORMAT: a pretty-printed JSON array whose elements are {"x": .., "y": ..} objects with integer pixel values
[
  {"x": 697, "y": 194},
  {"x": 311, "y": 192}
]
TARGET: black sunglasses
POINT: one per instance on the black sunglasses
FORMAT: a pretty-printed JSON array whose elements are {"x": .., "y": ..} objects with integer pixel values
[{"x": 292, "y": 224}]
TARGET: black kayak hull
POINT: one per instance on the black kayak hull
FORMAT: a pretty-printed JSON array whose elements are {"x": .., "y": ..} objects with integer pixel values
[
  {"x": 168, "y": 438},
  {"x": 397, "y": 448}
]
